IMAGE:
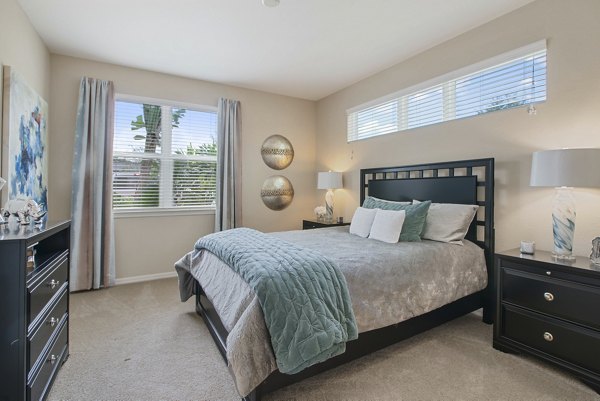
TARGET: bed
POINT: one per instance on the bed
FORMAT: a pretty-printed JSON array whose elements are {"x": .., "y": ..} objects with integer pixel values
[{"x": 382, "y": 319}]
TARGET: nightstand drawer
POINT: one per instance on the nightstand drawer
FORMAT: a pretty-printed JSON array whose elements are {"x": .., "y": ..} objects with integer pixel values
[
  {"x": 39, "y": 386},
  {"x": 569, "y": 300},
  {"x": 307, "y": 225},
  {"x": 41, "y": 291},
  {"x": 39, "y": 339},
  {"x": 567, "y": 342}
]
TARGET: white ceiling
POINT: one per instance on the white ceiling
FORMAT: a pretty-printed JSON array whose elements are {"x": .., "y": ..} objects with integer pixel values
[{"x": 303, "y": 48}]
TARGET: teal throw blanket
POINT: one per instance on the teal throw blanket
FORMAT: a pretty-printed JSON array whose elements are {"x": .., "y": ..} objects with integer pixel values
[{"x": 303, "y": 295}]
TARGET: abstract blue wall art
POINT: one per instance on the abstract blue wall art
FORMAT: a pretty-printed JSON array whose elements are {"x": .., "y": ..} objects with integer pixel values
[{"x": 25, "y": 138}]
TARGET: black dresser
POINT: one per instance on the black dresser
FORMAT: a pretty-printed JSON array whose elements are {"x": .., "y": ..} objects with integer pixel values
[
  {"x": 551, "y": 310},
  {"x": 34, "y": 308}
]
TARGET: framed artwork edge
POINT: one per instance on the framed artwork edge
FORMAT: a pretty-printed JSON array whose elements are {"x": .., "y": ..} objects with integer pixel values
[
  {"x": 29, "y": 166},
  {"x": 5, "y": 130}
]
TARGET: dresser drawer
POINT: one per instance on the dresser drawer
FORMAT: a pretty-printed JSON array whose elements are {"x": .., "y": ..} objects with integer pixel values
[
  {"x": 52, "y": 320},
  {"x": 38, "y": 387},
  {"x": 41, "y": 290},
  {"x": 564, "y": 299},
  {"x": 570, "y": 343}
]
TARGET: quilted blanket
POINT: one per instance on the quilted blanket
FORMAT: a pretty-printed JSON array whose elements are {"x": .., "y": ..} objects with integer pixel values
[{"x": 303, "y": 295}]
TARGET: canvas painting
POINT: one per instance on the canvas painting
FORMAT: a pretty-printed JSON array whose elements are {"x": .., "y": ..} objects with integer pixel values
[{"x": 25, "y": 138}]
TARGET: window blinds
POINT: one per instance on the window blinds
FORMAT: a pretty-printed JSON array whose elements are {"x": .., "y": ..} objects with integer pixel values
[
  {"x": 163, "y": 156},
  {"x": 510, "y": 80}
]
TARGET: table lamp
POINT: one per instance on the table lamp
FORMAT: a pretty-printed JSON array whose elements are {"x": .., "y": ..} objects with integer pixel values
[
  {"x": 329, "y": 180},
  {"x": 565, "y": 169}
]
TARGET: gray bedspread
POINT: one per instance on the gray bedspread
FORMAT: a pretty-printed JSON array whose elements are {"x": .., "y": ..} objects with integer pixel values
[{"x": 388, "y": 283}]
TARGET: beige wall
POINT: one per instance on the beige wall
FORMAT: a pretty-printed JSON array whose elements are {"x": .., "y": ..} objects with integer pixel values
[
  {"x": 150, "y": 245},
  {"x": 22, "y": 49},
  {"x": 569, "y": 118}
]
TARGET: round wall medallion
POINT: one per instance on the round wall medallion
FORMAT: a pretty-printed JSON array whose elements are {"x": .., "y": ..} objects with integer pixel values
[
  {"x": 277, "y": 152},
  {"x": 277, "y": 192}
]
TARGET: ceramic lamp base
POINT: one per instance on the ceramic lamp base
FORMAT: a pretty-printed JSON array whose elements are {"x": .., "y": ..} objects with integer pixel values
[
  {"x": 329, "y": 206},
  {"x": 563, "y": 224}
]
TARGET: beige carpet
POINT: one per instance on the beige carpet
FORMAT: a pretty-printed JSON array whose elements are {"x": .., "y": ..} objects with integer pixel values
[{"x": 138, "y": 342}]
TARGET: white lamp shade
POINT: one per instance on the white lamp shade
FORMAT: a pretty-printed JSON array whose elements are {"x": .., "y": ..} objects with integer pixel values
[
  {"x": 566, "y": 168},
  {"x": 329, "y": 180}
]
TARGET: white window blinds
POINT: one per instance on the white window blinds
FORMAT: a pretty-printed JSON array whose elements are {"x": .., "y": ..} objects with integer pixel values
[
  {"x": 164, "y": 156},
  {"x": 512, "y": 79}
]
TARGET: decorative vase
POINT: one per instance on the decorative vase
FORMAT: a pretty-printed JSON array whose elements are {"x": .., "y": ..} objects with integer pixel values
[{"x": 563, "y": 223}]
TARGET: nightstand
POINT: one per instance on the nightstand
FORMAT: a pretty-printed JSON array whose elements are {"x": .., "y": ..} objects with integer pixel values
[
  {"x": 310, "y": 224},
  {"x": 550, "y": 310}
]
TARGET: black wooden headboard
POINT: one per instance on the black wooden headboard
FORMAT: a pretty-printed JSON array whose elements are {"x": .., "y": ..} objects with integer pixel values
[{"x": 466, "y": 182}]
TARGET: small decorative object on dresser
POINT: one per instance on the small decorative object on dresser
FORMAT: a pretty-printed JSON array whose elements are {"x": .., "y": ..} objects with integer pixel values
[
  {"x": 320, "y": 212},
  {"x": 34, "y": 308},
  {"x": 26, "y": 210},
  {"x": 549, "y": 308},
  {"x": 527, "y": 247},
  {"x": 595, "y": 255}
]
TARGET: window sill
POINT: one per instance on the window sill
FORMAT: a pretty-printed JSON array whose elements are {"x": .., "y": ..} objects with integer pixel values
[{"x": 161, "y": 212}]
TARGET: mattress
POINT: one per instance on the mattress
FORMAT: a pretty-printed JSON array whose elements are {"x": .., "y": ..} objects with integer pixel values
[{"x": 388, "y": 284}]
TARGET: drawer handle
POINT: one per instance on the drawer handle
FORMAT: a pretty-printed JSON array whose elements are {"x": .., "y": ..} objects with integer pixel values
[
  {"x": 548, "y": 337},
  {"x": 52, "y": 359},
  {"x": 53, "y": 283},
  {"x": 548, "y": 296},
  {"x": 52, "y": 321}
]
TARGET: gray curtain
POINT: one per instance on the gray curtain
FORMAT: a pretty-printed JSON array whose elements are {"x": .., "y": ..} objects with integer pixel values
[
  {"x": 228, "y": 204},
  {"x": 92, "y": 233}
]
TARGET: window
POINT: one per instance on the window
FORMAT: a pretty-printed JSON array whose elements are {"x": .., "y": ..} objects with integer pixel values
[
  {"x": 164, "y": 156},
  {"x": 510, "y": 80}
]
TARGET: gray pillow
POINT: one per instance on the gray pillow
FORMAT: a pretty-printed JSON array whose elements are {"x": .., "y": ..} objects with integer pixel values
[
  {"x": 448, "y": 222},
  {"x": 415, "y": 216},
  {"x": 372, "y": 202}
]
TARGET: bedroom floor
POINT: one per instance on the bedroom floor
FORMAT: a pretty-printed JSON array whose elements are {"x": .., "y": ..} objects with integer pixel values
[{"x": 138, "y": 342}]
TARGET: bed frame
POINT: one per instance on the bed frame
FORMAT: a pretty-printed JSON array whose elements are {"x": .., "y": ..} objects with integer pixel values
[{"x": 466, "y": 182}]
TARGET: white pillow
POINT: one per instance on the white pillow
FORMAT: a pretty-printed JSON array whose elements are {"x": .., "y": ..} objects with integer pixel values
[
  {"x": 448, "y": 222},
  {"x": 362, "y": 221},
  {"x": 387, "y": 225}
]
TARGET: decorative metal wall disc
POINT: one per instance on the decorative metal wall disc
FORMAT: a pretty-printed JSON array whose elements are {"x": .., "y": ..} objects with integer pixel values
[
  {"x": 277, "y": 152},
  {"x": 277, "y": 192}
]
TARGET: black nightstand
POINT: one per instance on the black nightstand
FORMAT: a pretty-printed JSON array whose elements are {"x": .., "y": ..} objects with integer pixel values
[
  {"x": 551, "y": 310},
  {"x": 310, "y": 224}
]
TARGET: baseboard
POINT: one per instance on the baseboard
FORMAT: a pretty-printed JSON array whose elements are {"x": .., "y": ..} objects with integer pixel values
[{"x": 146, "y": 277}]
